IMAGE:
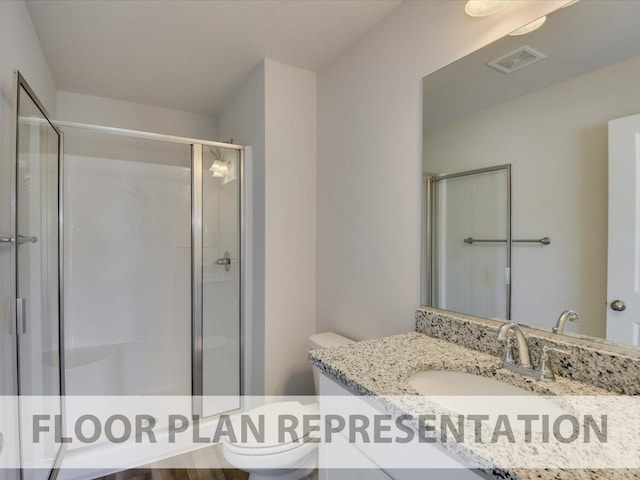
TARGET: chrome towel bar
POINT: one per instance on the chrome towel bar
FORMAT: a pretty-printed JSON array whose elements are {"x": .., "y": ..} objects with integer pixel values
[{"x": 543, "y": 241}]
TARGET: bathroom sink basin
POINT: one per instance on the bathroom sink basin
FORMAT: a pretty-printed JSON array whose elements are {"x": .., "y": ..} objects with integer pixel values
[
  {"x": 470, "y": 394},
  {"x": 436, "y": 382}
]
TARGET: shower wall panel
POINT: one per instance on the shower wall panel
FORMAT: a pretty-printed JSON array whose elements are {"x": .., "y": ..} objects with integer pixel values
[{"x": 127, "y": 267}]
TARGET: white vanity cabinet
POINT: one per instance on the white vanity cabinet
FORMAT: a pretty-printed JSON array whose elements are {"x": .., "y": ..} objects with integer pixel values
[
  {"x": 347, "y": 462},
  {"x": 350, "y": 459}
]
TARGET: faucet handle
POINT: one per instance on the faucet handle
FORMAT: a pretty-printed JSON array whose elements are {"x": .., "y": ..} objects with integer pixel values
[
  {"x": 546, "y": 349},
  {"x": 544, "y": 369},
  {"x": 507, "y": 357}
]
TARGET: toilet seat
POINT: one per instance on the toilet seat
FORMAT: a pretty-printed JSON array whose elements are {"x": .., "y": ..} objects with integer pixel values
[
  {"x": 301, "y": 460},
  {"x": 271, "y": 444},
  {"x": 262, "y": 451},
  {"x": 286, "y": 460}
]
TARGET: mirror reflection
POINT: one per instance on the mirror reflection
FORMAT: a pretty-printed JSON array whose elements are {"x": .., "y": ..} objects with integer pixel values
[{"x": 561, "y": 107}]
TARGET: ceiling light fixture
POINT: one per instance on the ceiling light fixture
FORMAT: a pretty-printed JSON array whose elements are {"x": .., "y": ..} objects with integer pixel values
[
  {"x": 220, "y": 168},
  {"x": 529, "y": 27},
  {"x": 484, "y": 8},
  {"x": 223, "y": 169}
]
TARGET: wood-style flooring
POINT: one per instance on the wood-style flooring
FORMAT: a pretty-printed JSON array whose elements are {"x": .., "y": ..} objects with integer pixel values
[{"x": 185, "y": 467}]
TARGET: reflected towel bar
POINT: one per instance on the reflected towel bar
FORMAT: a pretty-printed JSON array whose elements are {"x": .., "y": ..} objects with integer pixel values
[
  {"x": 543, "y": 241},
  {"x": 21, "y": 239}
]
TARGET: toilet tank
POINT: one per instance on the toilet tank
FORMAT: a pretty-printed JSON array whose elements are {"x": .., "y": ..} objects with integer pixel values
[{"x": 324, "y": 340}]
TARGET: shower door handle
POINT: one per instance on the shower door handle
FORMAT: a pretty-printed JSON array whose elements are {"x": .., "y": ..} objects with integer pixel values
[
  {"x": 25, "y": 239},
  {"x": 225, "y": 261},
  {"x": 21, "y": 239}
]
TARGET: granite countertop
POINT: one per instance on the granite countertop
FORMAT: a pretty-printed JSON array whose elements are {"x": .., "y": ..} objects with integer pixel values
[{"x": 380, "y": 368}]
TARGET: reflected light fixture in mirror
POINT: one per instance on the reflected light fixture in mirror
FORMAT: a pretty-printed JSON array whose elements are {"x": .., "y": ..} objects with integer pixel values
[
  {"x": 529, "y": 27},
  {"x": 484, "y": 8}
]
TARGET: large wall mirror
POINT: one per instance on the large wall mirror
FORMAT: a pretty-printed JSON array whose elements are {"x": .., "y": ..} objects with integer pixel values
[{"x": 531, "y": 164}]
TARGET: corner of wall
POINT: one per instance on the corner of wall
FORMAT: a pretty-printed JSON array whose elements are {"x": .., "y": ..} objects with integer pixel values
[
  {"x": 243, "y": 119},
  {"x": 21, "y": 50},
  {"x": 290, "y": 226}
]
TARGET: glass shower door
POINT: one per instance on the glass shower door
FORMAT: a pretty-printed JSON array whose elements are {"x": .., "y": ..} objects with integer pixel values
[
  {"x": 36, "y": 243},
  {"x": 218, "y": 273},
  {"x": 471, "y": 242}
]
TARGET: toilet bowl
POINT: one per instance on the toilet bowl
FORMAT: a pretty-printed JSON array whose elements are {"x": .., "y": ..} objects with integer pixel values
[{"x": 281, "y": 458}]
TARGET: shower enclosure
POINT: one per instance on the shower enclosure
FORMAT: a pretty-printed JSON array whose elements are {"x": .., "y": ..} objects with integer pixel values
[
  {"x": 126, "y": 249},
  {"x": 468, "y": 251},
  {"x": 152, "y": 270}
]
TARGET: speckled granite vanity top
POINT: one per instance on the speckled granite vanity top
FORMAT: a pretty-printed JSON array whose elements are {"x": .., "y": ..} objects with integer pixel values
[{"x": 381, "y": 367}]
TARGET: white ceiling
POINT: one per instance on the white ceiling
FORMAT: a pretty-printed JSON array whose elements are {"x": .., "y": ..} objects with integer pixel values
[{"x": 187, "y": 54}]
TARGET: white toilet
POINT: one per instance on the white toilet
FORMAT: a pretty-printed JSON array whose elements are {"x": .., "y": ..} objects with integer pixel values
[{"x": 283, "y": 461}]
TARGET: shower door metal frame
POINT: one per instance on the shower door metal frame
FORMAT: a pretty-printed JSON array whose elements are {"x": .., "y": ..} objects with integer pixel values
[
  {"x": 20, "y": 82},
  {"x": 197, "y": 317},
  {"x": 197, "y": 367},
  {"x": 430, "y": 230},
  {"x": 196, "y": 246}
]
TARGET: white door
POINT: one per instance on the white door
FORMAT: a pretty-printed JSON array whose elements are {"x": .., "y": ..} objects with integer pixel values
[{"x": 623, "y": 280}]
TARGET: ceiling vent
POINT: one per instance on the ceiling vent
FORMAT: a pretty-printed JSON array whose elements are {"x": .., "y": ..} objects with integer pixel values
[{"x": 520, "y": 58}]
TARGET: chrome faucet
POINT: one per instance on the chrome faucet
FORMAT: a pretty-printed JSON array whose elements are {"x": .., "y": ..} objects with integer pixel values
[
  {"x": 570, "y": 315},
  {"x": 524, "y": 366},
  {"x": 524, "y": 359}
]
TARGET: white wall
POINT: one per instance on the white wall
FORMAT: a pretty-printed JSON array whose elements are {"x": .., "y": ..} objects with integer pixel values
[
  {"x": 19, "y": 49},
  {"x": 559, "y": 186},
  {"x": 274, "y": 112},
  {"x": 290, "y": 227},
  {"x": 76, "y": 107},
  {"x": 369, "y": 161}
]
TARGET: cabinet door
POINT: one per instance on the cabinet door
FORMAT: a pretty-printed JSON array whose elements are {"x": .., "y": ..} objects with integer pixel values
[
  {"x": 401, "y": 461},
  {"x": 340, "y": 460}
]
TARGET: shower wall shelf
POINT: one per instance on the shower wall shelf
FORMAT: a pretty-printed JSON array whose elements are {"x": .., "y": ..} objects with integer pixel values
[{"x": 543, "y": 240}]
